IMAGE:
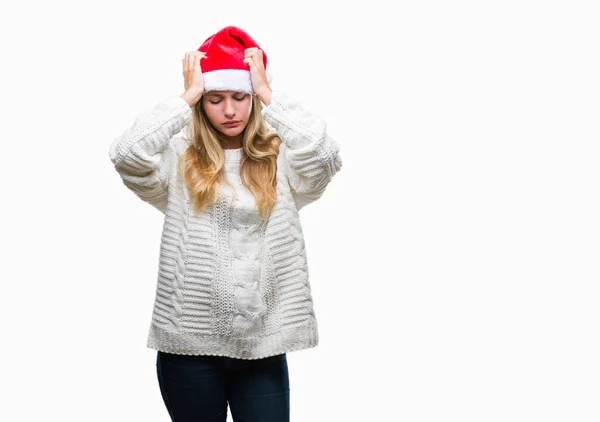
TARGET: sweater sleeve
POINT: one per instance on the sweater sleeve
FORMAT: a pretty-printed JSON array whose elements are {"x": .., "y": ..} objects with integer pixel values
[
  {"x": 312, "y": 157},
  {"x": 143, "y": 155}
]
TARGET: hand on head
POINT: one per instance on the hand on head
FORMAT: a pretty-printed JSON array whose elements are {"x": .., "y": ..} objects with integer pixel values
[
  {"x": 193, "y": 81},
  {"x": 253, "y": 57}
]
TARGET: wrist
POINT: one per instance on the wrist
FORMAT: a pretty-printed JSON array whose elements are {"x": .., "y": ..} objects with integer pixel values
[
  {"x": 265, "y": 96},
  {"x": 191, "y": 97}
]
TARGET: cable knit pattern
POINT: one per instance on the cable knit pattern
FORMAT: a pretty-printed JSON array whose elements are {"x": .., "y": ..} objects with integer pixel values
[
  {"x": 230, "y": 284},
  {"x": 246, "y": 239}
]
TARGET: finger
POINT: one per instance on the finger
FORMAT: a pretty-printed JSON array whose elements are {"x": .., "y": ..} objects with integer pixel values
[
  {"x": 254, "y": 56},
  {"x": 250, "y": 60}
]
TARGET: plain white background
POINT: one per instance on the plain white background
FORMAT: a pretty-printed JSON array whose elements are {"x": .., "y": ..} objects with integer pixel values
[{"x": 453, "y": 259}]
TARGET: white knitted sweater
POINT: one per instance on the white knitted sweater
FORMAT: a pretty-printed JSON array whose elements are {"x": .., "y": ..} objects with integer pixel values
[{"x": 229, "y": 284}]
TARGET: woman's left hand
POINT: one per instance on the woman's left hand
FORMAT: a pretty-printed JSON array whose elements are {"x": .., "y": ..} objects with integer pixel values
[{"x": 253, "y": 57}]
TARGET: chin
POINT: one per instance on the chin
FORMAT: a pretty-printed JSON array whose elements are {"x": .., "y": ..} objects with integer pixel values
[{"x": 234, "y": 130}]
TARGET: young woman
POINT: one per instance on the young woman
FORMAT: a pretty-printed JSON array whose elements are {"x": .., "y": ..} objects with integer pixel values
[{"x": 233, "y": 294}]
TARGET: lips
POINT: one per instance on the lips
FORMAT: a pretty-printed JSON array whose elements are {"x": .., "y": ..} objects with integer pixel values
[{"x": 231, "y": 124}]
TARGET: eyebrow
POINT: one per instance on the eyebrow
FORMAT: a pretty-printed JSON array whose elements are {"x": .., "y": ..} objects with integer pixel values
[{"x": 221, "y": 95}]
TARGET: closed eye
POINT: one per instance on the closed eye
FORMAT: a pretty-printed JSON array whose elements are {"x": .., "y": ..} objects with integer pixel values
[{"x": 237, "y": 99}]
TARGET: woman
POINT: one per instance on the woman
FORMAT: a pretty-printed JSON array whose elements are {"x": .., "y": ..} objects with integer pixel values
[{"x": 233, "y": 294}]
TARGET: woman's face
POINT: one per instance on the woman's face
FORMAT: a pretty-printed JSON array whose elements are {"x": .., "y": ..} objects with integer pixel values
[{"x": 223, "y": 106}]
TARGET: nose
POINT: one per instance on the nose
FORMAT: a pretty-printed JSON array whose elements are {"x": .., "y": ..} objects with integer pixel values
[{"x": 229, "y": 108}]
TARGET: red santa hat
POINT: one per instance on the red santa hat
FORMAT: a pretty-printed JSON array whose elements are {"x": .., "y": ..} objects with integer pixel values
[{"x": 223, "y": 68}]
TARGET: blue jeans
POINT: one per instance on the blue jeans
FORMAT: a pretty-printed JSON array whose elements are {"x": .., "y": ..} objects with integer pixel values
[{"x": 198, "y": 388}]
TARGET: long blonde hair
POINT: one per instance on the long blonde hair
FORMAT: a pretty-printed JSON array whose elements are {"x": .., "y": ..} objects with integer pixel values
[{"x": 202, "y": 164}]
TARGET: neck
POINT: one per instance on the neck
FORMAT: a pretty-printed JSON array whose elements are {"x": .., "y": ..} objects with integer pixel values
[{"x": 228, "y": 142}]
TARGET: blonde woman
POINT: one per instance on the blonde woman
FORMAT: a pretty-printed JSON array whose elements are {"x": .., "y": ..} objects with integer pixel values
[{"x": 229, "y": 162}]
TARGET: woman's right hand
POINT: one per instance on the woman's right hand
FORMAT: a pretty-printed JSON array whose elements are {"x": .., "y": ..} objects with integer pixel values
[{"x": 193, "y": 81}]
